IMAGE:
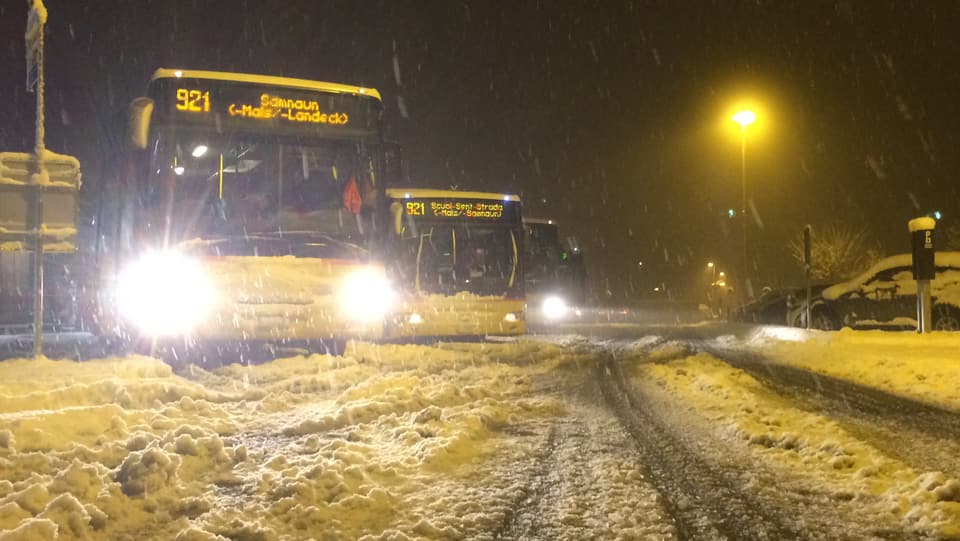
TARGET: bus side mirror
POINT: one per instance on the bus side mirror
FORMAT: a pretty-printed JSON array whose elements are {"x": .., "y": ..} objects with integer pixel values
[
  {"x": 396, "y": 211},
  {"x": 138, "y": 122}
]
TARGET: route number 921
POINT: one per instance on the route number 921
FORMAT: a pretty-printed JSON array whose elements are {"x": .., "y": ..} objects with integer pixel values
[{"x": 193, "y": 101}]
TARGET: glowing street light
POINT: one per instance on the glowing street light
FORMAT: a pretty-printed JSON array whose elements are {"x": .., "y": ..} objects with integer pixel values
[
  {"x": 713, "y": 268},
  {"x": 744, "y": 118}
]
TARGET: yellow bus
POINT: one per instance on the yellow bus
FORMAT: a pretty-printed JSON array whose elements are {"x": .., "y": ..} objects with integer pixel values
[
  {"x": 244, "y": 212},
  {"x": 455, "y": 260}
]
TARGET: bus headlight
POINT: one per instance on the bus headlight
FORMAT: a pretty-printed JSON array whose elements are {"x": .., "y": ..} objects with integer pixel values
[
  {"x": 165, "y": 293},
  {"x": 554, "y": 307},
  {"x": 366, "y": 296}
]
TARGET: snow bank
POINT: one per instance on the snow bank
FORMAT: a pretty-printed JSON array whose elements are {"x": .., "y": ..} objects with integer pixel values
[
  {"x": 790, "y": 440},
  {"x": 383, "y": 442},
  {"x": 918, "y": 366}
]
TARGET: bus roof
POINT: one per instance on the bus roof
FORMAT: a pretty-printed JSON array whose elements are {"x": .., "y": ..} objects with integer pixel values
[
  {"x": 425, "y": 193},
  {"x": 165, "y": 73}
]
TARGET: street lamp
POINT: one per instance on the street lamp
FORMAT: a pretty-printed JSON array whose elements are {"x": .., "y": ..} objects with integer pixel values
[
  {"x": 713, "y": 267},
  {"x": 744, "y": 118}
]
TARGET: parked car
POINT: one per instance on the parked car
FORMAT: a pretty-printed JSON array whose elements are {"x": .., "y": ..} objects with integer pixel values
[
  {"x": 775, "y": 306},
  {"x": 885, "y": 297},
  {"x": 770, "y": 308}
]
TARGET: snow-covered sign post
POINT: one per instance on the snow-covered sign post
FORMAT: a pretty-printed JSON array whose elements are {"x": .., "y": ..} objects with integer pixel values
[
  {"x": 807, "y": 264},
  {"x": 38, "y": 192},
  {"x": 924, "y": 270}
]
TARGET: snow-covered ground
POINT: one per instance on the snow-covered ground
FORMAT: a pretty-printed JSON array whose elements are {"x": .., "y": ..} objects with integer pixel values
[
  {"x": 924, "y": 367},
  {"x": 455, "y": 441},
  {"x": 386, "y": 441},
  {"x": 809, "y": 452}
]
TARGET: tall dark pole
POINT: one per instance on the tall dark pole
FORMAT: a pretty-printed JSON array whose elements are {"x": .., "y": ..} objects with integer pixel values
[
  {"x": 744, "y": 118},
  {"x": 36, "y": 19},
  {"x": 743, "y": 204}
]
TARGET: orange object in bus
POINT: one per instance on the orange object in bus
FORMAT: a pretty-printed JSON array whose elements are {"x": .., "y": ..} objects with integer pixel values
[{"x": 351, "y": 196}]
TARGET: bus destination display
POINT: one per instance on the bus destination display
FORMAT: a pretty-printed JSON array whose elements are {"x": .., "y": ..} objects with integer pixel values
[
  {"x": 264, "y": 107},
  {"x": 470, "y": 209},
  {"x": 269, "y": 106}
]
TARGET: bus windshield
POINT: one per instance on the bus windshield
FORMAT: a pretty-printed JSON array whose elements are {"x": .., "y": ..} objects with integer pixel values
[
  {"x": 542, "y": 254},
  {"x": 452, "y": 258},
  {"x": 211, "y": 185}
]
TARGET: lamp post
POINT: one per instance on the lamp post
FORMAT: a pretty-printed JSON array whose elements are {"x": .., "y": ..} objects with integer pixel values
[
  {"x": 744, "y": 118},
  {"x": 713, "y": 268}
]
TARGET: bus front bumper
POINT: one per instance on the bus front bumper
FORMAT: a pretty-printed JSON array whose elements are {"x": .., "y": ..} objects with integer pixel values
[{"x": 452, "y": 316}]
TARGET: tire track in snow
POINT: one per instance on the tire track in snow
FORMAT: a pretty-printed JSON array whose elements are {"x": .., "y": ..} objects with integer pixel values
[
  {"x": 521, "y": 519},
  {"x": 705, "y": 503},
  {"x": 918, "y": 433},
  {"x": 588, "y": 482}
]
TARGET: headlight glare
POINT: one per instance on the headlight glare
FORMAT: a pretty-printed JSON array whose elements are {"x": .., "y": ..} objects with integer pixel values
[
  {"x": 366, "y": 296},
  {"x": 165, "y": 293},
  {"x": 554, "y": 307}
]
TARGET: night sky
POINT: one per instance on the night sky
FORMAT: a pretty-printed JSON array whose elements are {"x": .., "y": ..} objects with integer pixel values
[{"x": 611, "y": 117}]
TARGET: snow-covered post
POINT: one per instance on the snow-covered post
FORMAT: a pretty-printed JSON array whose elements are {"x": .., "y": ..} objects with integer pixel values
[
  {"x": 924, "y": 269},
  {"x": 807, "y": 264},
  {"x": 36, "y": 19}
]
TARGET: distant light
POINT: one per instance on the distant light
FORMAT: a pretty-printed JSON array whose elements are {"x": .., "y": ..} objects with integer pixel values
[
  {"x": 199, "y": 151},
  {"x": 710, "y": 264},
  {"x": 656, "y": 289},
  {"x": 731, "y": 213},
  {"x": 722, "y": 274},
  {"x": 745, "y": 118},
  {"x": 549, "y": 222},
  {"x": 936, "y": 215},
  {"x": 178, "y": 169},
  {"x": 511, "y": 317},
  {"x": 722, "y": 283},
  {"x": 554, "y": 307},
  {"x": 178, "y": 73},
  {"x": 406, "y": 196}
]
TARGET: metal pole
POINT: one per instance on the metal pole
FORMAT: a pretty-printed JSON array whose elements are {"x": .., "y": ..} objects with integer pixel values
[
  {"x": 743, "y": 204},
  {"x": 808, "y": 298},
  {"x": 924, "y": 306},
  {"x": 38, "y": 212}
]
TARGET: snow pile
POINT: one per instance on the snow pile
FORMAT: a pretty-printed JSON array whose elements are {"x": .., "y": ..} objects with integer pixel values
[
  {"x": 385, "y": 442},
  {"x": 919, "y": 366},
  {"x": 790, "y": 440}
]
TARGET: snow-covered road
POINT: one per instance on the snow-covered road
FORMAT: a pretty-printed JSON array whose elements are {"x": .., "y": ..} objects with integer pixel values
[{"x": 670, "y": 433}]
